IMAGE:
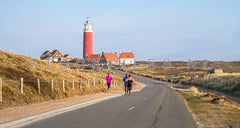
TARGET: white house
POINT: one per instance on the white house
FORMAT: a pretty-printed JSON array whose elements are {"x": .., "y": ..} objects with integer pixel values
[{"x": 127, "y": 57}]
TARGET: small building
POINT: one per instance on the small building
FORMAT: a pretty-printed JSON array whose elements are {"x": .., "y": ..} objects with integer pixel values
[
  {"x": 45, "y": 55},
  {"x": 127, "y": 57},
  {"x": 108, "y": 58},
  {"x": 68, "y": 57},
  {"x": 95, "y": 57},
  {"x": 215, "y": 71},
  {"x": 54, "y": 56}
]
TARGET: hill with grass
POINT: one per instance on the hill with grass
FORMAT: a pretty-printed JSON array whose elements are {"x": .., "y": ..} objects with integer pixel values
[
  {"x": 13, "y": 67},
  {"x": 227, "y": 82}
]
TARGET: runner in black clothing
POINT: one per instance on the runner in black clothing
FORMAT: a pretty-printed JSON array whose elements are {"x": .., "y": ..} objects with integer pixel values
[{"x": 130, "y": 82}]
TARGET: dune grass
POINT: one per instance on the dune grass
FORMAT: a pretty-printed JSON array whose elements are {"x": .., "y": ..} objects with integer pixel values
[
  {"x": 226, "y": 83},
  {"x": 210, "y": 111},
  {"x": 13, "y": 67}
]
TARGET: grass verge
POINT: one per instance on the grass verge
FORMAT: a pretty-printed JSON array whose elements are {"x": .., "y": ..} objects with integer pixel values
[
  {"x": 13, "y": 67},
  {"x": 210, "y": 111}
]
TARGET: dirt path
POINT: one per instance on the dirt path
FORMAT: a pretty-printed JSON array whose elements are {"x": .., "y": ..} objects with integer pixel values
[{"x": 13, "y": 113}]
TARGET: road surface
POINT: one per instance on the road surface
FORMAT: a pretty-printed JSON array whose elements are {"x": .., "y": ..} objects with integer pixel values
[{"x": 155, "y": 106}]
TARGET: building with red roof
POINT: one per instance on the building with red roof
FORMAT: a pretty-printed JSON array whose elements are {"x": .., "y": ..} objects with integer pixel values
[
  {"x": 45, "y": 55},
  {"x": 54, "y": 56},
  {"x": 109, "y": 58},
  {"x": 68, "y": 57},
  {"x": 127, "y": 57},
  {"x": 96, "y": 57}
]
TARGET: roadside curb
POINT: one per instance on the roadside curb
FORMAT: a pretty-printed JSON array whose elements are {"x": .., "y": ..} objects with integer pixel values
[{"x": 30, "y": 119}]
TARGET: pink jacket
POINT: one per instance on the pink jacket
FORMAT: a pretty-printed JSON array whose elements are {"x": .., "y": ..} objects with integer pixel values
[{"x": 108, "y": 78}]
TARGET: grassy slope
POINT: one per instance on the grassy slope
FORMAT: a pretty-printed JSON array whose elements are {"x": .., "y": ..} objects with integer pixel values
[
  {"x": 13, "y": 67},
  {"x": 180, "y": 68},
  {"x": 210, "y": 110},
  {"x": 227, "y": 83}
]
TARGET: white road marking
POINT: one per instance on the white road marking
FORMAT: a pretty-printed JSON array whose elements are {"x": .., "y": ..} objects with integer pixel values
[
  {"x": 31, "y": 119},
  {"x": 131, "y": 108}
]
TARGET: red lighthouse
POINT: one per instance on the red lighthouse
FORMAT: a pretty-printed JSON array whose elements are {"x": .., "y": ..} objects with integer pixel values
[{"x": 87, "y": 39}]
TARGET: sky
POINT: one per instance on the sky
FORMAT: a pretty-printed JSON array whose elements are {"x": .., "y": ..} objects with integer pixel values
[{"x": 159, "y": 29}]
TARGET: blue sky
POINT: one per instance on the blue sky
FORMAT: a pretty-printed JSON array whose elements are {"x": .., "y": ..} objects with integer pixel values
[{"x": 174, "y": 29}]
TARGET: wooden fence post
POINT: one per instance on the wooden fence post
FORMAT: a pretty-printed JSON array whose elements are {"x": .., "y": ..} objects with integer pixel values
[
  {"x": 63, "y": 85},
  {"x": 80, "y": 84},
  {"x": 99, "y": 82},
  {"x": 93, "y": 83},
  {"x": 72, "y": 84},
  {"x": 51, "y": 84},
  {"x": 102, "y": 82},
  {"x": 88, "y": 82},
  {"x": 0, "y": 89},
  {"x": 21, "y": 85},
  {"x": 38, "y": 83}
]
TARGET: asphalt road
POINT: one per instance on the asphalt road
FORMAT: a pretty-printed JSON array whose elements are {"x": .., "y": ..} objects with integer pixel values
[{"x": 155, "y": 106}]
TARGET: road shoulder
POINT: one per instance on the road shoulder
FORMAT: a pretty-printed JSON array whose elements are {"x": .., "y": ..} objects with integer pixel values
[{"x": 14, "y": 113}]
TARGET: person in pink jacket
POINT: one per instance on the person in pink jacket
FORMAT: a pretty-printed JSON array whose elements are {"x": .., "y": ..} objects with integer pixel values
[{"x": 109, "y": 81}]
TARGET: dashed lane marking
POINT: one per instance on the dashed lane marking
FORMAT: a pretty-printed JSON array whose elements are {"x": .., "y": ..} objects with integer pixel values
[{"x": 131, "y": 108}]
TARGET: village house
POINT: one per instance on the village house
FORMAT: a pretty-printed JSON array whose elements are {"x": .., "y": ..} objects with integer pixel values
[
  {"x": 68, "y": 57},
  {"x": 127, "y": 58},
  {"x": 45, "y": 55},
  {"x": 108, "y": 58},
  {"x": 54, "y": 56},
  {"x": 95, "y": 57}
]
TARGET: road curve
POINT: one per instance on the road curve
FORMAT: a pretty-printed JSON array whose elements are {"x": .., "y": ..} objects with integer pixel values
[{"x": 155, "y": 106}]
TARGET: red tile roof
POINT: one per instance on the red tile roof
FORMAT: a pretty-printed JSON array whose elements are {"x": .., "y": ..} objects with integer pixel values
[
  {"x": 46, "y": 53},
  {"x": 126, "y": 55},
  {"x": 56, "y": 51},
  {"x": 66, "y": 55},
  {"x": 95, "y": 56},
  {"x": 111, "y": 56}
]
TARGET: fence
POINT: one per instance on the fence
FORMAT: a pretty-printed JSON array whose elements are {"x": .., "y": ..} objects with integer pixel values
[{"x": 39, "y": 84}]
